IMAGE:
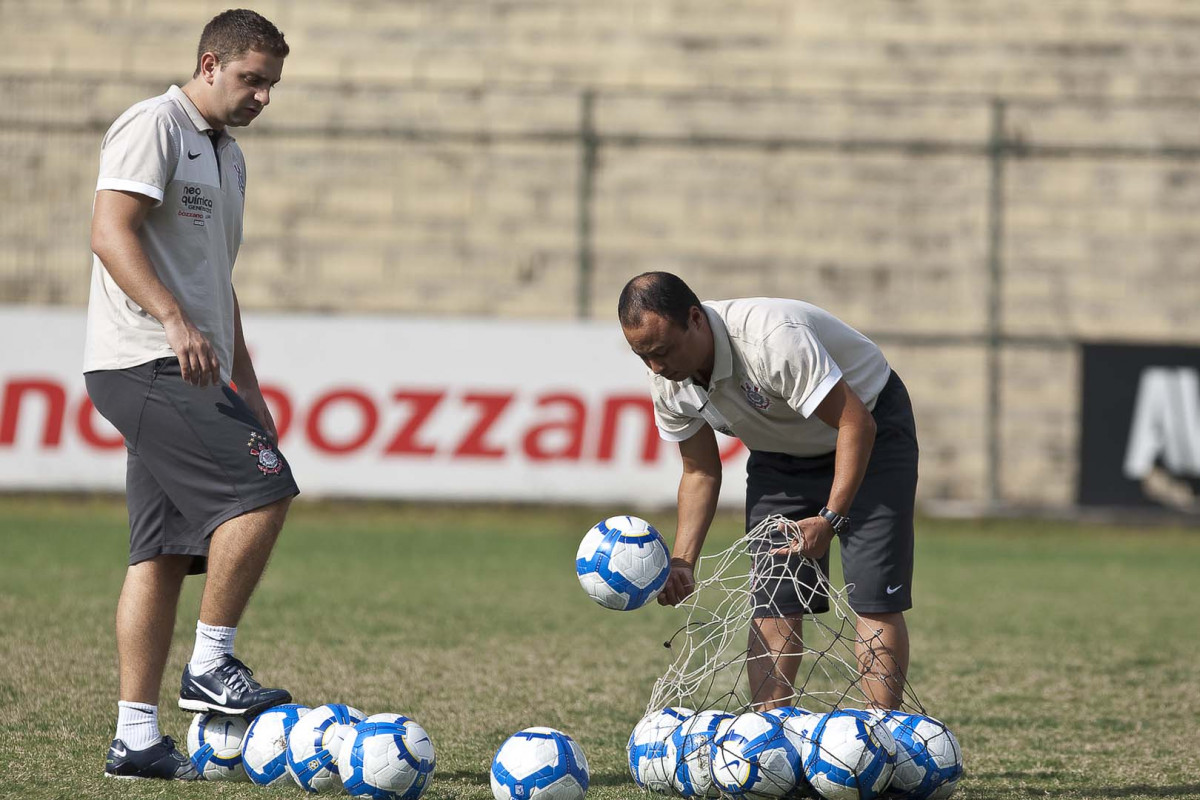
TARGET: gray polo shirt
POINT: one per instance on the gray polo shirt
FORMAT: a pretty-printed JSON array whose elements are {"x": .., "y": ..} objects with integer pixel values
[
  {"x": 161, "y": 148},
  {"x": 774, "y": 362}
]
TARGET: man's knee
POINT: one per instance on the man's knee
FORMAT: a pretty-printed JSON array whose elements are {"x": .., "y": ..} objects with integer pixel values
[
  {"x": 778, "y": 635},
  {"x": 165, "y": 567}
]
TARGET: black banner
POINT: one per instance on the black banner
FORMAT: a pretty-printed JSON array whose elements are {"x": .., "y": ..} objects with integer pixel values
[{"x": 1140, "y": 427}]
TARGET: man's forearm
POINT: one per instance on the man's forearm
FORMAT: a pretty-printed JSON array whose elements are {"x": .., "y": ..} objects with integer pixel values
[
  {"x": 126, "y": 262},
  {"x": 698, "y": 493},
  {"x": 854, "y": 444}
]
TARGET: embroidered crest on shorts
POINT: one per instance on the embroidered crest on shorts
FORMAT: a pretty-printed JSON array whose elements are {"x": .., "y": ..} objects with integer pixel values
[
  {"x": 269, "y": 462},
  {"x": 755, "y": 396}
]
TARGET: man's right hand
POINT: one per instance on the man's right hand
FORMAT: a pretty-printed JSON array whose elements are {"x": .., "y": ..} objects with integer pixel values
[
  {"x": 198, "y": 362},
  {"x": 681, "y": 582}
]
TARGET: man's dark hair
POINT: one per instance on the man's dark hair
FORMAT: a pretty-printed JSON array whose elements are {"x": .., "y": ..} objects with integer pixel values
[
  {"x": 659, "y": 293},
  {"x": 233, "y": 33}
]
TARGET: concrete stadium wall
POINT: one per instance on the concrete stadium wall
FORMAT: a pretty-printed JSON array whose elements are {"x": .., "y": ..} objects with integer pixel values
[{"x": 956, "y": 179}]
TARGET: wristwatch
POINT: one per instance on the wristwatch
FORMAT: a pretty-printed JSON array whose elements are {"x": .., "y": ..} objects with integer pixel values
[{"x": 839, "y": 523}]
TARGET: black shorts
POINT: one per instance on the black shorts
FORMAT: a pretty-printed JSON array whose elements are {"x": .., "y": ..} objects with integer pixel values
[
  {"x": 877, "y": 552},
  {"x": 197, "y": 457}
]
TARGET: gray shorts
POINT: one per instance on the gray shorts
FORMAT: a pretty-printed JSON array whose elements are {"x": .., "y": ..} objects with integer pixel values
[
  {"x": 877, "y": 552},
  {"x": 197, "y": 457}
]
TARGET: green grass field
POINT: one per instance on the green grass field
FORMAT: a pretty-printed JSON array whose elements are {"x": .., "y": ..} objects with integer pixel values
[{"x": 1065, "y": 657}]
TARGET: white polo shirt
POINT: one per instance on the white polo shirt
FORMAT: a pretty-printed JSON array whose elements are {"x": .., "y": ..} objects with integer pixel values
[
  {"x": 774, "y": 362},
  {"x": 161, "y": 148}
]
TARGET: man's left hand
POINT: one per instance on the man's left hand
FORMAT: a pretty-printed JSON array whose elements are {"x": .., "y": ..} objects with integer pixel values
[{"x": 810, "y": 537}]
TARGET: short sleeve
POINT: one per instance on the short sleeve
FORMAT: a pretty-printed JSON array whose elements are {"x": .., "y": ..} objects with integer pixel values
[
  {"x": 673, "y": 426},
  {"x": 799, "y": 367},
  {"x": 139, "y": 155}
]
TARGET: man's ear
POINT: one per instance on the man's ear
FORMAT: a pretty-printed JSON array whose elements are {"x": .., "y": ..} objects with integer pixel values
[{"x": 209, "y": 64}]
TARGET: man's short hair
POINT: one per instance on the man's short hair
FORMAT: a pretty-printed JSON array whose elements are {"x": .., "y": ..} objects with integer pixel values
[
  {"x": 231, "y": 34},
  {"x": 659, "y": 293}
]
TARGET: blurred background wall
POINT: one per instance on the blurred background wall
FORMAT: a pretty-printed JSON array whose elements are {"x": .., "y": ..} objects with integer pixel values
[{"x": 979, "y": 186}]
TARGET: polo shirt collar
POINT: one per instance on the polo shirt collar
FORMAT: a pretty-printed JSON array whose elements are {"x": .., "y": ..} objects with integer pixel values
[
  {"x": 722, "y": 353},
  {"x": 193, "y": 113}
]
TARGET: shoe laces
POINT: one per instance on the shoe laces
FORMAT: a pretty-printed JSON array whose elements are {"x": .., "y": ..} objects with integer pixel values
[{"x": 236, "y": 675}]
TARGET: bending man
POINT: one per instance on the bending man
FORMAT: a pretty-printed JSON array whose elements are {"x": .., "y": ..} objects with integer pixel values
[{"x": 833, "y": 448}]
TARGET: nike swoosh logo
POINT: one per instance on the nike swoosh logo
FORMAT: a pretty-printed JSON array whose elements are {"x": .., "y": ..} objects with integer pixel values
[
  {"x": 219, "y": 698},
  {"x": 893, "y": 589},
  {"x": 119, "y": 753},
  {"x": 193, "y": 156}
]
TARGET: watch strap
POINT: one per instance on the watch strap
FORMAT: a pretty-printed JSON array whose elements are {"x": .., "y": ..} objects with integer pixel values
[{"x": 839, "y": 522}]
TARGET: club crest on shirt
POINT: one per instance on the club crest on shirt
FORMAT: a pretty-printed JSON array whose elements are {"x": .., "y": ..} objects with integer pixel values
[
  {"x": 755, "y": 396},
  {"x": 269, "y": 462}
]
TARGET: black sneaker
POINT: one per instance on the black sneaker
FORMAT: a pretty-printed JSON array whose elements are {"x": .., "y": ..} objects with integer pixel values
[
  {"x": 228, "y": 689},
  {"x": 162, "y": 761}
]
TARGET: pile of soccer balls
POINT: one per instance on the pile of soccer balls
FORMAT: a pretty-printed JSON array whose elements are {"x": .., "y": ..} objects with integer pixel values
[
  {"x": 789, "y": 752},
  {"x": 336, "y": 749},
  {"x": 622, "y": 564},
  {"x": 333, "y": 748}
]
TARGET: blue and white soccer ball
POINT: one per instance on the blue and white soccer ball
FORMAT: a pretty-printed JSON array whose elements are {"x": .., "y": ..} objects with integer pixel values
[
  {"x": 215, "y": 746},
  {"x": 387, "y": 757},
  {"x": 928, "y": 759},
  {"x": 539, "y": 764},
  {"x": 264, "y": 748},
  {"x": 623, "y": 563},
  {"x": 315, "y": 742},
  {"x": 756, "y": 756},
  {"x": 849, "y": 755},
  {"x": 653, "y": 748},
  {"x": 693, "y": 751}
]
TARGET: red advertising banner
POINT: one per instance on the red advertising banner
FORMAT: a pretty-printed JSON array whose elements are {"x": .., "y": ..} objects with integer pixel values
[{"x": 437, "y": 409}]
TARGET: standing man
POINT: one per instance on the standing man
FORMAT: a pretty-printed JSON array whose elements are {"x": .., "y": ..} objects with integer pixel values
[
  {"x": 205, "y": 485},
  {"x": 832, "y": 445}
]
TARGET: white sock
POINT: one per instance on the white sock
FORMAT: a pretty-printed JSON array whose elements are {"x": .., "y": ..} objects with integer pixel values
[
  {"x": 213, "y": 643},
  {"x": 137, "y": 725}
]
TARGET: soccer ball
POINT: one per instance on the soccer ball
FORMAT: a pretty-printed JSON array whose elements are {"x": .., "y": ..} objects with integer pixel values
[
  {"x": 265, "y": 743},
  {"x": 539, "y": 763},
  {"x": 652, "y": 748},
  {"x": 314, "y": 743},
  {"x": 387, "y": 757},
  {"x": 622, "y": 563},
  {"x": 215, "y": 745},
  {"x": 928, "y": 759},
  {"x": 692, "y": 742},
  {"x": 756, "y": 756},
  {"x": 849, "y": 755}
]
